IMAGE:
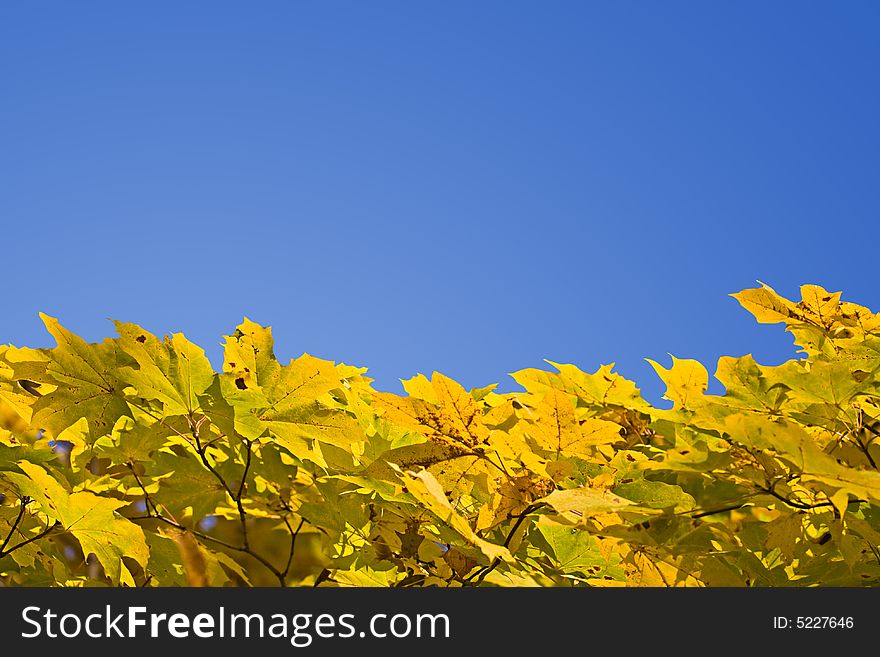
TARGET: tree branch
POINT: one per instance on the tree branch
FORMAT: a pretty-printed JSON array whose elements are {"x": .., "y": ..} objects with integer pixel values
[
  {"x": 481, "y": 574},
  {"x": 236, "y": 497},
  {"x": 797, "y": 504},
  {"x": 148, "y": 503},
  {"x": 241, "y": 513},
  {"x": 30, "y": 540}
]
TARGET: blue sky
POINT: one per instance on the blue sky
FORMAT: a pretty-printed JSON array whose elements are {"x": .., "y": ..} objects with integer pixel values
[{"x": 463, "y": 187}]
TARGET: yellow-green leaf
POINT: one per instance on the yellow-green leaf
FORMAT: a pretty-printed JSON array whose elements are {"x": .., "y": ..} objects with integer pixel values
[
  {"x": 174, "y": 372},
  {"x": 87, "y": 382},
  {"x": 91, "y": 519}
]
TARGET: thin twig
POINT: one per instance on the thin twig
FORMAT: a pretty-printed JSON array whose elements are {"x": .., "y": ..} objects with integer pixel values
[
  {"x": 217, "y": 541},
  {"x": 23, "y": 503},
  {"x": 148, "y": 503},
  {"x": 194, "y": 532},
  {"x": 293, "y": 534},
  {"x": 247, "y": 467},
  {"x": 481, "y": 574},
  {"x": 241, "y": 513},
  {"x": 202, "y": 452},
  {"x": 30, "y": 540},
  {"x": 724, "y": 509}
]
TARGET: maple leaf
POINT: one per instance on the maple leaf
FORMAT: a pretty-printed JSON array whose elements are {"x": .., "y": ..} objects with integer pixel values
[
  {"x": 576, "y": 481},
  {"x": 173, "y": 372},
  {"x": 90, "y": 518},
  {"x": 558, "y": 430},
  {"x": 84, "y": 378},
  {"x": 686, "y": 381},
  {"x": 454, "y": 420}
]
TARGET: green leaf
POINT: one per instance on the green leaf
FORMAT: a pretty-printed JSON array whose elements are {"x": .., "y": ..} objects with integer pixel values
[
  {"x": 184, "y": 483},
  {"x": 575, "y": 551},
  {"x": 655, "y": 495}
]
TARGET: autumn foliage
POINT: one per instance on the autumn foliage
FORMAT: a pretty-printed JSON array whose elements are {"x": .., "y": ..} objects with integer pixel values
[{"x": 132, "y": 462}]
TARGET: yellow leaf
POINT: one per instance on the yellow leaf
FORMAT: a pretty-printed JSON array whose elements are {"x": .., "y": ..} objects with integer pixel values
[
  {"x": 840, "y": 500},
  {"x": 602, "y": 388},
  {"x": 455, "y": 420},
  {"x": 819, "y": 304},
  {"x": 427, "y": 490},
  {"x": 420, "y": 386},
  {"x": 87, "y": 380},
  {"x": 558, "y": 430},
  {"x": 686, "y": 381},
  {"x": 766, "y": 305},
  {"x": 584, "y": 502},
  {"x": 174, "y": 372}
]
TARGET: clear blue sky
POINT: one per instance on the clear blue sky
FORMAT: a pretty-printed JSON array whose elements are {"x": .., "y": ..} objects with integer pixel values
[{"x": 466, "y": 187}]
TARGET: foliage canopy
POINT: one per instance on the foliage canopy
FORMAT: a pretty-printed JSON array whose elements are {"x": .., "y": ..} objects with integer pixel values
[{"x": 132, "y": 462}]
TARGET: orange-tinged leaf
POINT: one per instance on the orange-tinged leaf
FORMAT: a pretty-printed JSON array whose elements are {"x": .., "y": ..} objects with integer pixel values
[
  {"x": 819, "y": 304},
  {"x": 558, "y": 430},
  {"x": 455, "y": 419}
]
